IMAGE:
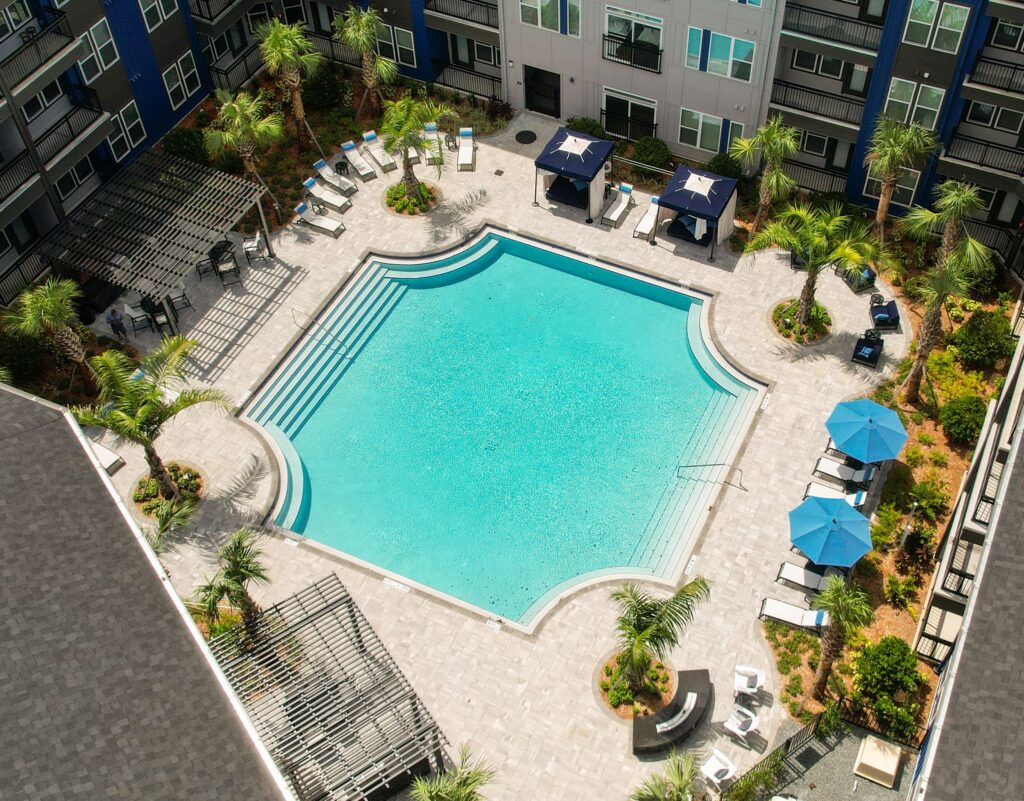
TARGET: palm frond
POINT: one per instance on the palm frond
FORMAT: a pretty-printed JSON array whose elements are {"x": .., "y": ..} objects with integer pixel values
[{"x": 920, "y": 223}]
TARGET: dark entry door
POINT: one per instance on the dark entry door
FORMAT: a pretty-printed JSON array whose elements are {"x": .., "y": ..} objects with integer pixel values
[{"x": 543, "y": 91}]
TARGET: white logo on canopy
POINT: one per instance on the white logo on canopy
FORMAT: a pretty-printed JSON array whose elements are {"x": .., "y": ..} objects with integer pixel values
[
  {"x": 574, "y": 146},
  {"x": 699, "y": 184}
]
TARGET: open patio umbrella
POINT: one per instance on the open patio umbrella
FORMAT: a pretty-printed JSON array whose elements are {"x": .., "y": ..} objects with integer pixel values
[
  {"x": 866, "y": 430},
  {"x": 829, "y": 531}
]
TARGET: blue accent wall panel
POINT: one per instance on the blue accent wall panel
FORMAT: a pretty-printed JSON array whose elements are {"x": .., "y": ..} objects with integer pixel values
[
  {"x": 424, "y": 70},
  {"x": 705, "y": 49},
  {"x": 563, "y": 17},
  {"x": 723, "y": 142},
  {"x": 437, "y": 45}
]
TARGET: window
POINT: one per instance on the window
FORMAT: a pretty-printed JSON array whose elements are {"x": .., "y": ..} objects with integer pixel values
[
  {"x": 575, "y": 15},
  {"x": 128, "y": 131},
  {"x": 929, "y": 102},
  {"x": 385, "y": 41},
  {"x": 987, "y": 198},
  {"x": 949, "y": 31},
  {"x": 257, "y": 15},
  {"x": 735, "y": 131},
  {"x": 805, "y": 61},
  {"x": 928, "y": 26},
  {"x": 857, "y": 81},
  {"x": 74, "y": 178},
  {"x": 831, "y": 67},
  {"x": 181, "y": 79},
  {"x": 5, "y": 243},
  {"x": 722, "y": 55},
  {"x": 294, "y": 11},
  {"x": 539, "y": 13},
  {"x": 909, "y": 101},
  {"x": 405, "y": 47},
  {"x": 1009, "y": 120},
  {"x": 13, "y": 17},
  {"x": 102, "y": 51},
  {"x": 1007, "y": 35},
  {"x": 633, "y": 27},
  {"x": 484, "y": 53},
  {"x": 981, "y": 113},
  {"x": 841, "y": 155},
  {"x": 755, "y": 3},
  {"x": 700, "y": 130},
  {"x": 919, "y": 22},
  {"x": 903, "y": 195},
  {"x": 628, "y": 116},
  {"x": 693, "y": 45},
  {"x": 35, "y": 106},
  {"x": 814, "y": 144},
  {"x": 156, "y": 11},
  {"x": 1003, "y": 119}
]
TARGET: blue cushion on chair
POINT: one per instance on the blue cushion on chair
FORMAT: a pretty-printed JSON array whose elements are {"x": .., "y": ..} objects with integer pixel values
[{"x": 580, "y": 185}]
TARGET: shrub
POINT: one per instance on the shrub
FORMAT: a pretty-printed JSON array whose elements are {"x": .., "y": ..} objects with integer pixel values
[
  {"x": 913, "y": 456},
  {"x": 887, "y": 667},
  {"x": 899, "y": 721},
  {"x": 187, "y": 143},
  {"x": 950, "y": 379},
  {"x": 651, "y": 150},
  {"x": 931, "y": 496},
  {"x": 397, "y": 199},
  {"x": 587, "y": 125},
  {"x": 898, "y": 485},
  {"x": 983, "y": 280},
  {"x": 830, "y": 199},
  {"x": 324, "y": 91},
  {"x": 25, "y": 357},
  {"x": 795, "y": 685},
  {"x": 926, "y": 439},
  {"x": 620, "y": 694},
  {"x": 900, "y": 592},
  {"x": 962, "y": 419},
  {"x": 919, "y": 549},
  {"x": 725, "y": 165},
  {"x": 498, "y": 109},
  {"x": 787, "y": 663},
  {"x": 886, "y": 528},
  {"x": 984, "y": 340}
]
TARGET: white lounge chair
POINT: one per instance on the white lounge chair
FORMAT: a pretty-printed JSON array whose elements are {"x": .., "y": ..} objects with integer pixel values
[
  {"x": 841, "y": 472},
  {"x": 718, "y": 769},
  {"x": 254, "y": 248},
  {"x": 432, "y": 143},
  {"x": 320, "y": 222},
  {"x": 414, "y": 156},
  {"x": 373, "y": 146},
  {"x": 645, "y": 227},
  {"x": 323, "y": 194},
  {"x": 110, "y": 461},
  {"x": 792, "y": 614},
  {"x": 818, "y": 490},
  {"x": 805, "y": 575},
  {"x": 467, "y": 149},
  {"x": 748, "y": 680},
  {"x": 741, "y": 722},
  {"x": 618, "y": 210},
  {"x": 333, "y": 179},
  {"x": 356, "y": 160}
]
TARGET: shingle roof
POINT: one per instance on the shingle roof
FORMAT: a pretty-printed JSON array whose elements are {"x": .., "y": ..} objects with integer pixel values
[
  {"x": 979, "y": 752},
  {"x": 103, "y": 692}
]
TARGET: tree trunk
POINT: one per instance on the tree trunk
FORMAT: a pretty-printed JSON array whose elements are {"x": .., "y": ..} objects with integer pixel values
[
  {"x": 252, "y": 618},
  {"x": 764, "y": 203},
  {"x": 831, "y": 649},
  {"x": 68, "y": 341},
  {"x": 927, "y": 338},
  {"x": 950, "y": 237},
  {"x": 806, "y": 304},
  {"x": 249, "y": 163},
  {"x": 294, "y": 83},
  {"x": 888, "y": 187},
  {"x": 158, "y": 472},
  {"x": 412, "y": 184},
  {"x": 370, "y": 81}
]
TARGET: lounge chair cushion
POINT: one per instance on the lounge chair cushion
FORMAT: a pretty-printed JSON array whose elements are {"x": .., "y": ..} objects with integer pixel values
[{"x": 580, "y": 185}]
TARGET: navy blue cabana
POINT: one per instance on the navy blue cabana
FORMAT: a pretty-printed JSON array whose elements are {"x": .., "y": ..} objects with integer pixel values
[
  {"x": 704, "y": 205},
  {"x": 572, "y": 165}
]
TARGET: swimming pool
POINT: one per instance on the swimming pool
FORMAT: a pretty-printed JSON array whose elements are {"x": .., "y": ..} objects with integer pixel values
[{"x": 504, "y": 421}]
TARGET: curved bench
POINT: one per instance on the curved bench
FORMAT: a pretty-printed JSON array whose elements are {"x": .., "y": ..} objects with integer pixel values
[{"x": 674, "y": 723}]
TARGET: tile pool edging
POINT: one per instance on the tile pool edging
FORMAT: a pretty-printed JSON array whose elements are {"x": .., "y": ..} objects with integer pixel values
[{"x": 567, "y": 589}]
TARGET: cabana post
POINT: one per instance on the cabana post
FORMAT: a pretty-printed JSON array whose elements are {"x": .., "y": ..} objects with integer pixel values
[{"x": 571, "y": 166}]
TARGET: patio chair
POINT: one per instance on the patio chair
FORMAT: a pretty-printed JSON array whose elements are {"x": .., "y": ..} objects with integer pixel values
[
  {"x": 139, "y": 319},
  {"x": 373, "y": 146},
  {"x": 181, "y": 300},
  {"x": 334, "y": 179},
  {"x": 858, "y": 280},
  {"x": 645, "y": 227},
  {"x": 326, "y": 196},
  {"x": 228, "y": 271},
  {"x": 254, "y": 248},
  {"x": 467, "y": 149},
  {"x": 741, "y": 722},
  {"x": 618, "y": 210},
  {"x": 718, "y": 769},
  {"x": 356, "y": 160},
  {"x": 884, "y": 316},
  {"x": 829, "y": 468},
  {"x": 813, "y": 619},
  {"x": 321, "y": 222},
  {"x": 816, "y": 489},
  {"x": 432, "y": 143},
  {"x": 833, "y": 452},
  {"x": 807, "y": 576},
  {"x": 748, "y": 680},
  {"x": 868, "y": 350},
  {"x": 414, "y": 155}
]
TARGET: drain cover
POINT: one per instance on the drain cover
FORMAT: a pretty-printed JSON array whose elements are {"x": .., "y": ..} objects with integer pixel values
[
  {"x": 526, "y": 137},
  {"x": 499, "y": 173}
]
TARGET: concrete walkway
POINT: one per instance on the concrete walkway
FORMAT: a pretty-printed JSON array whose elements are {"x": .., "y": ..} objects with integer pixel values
[{"x": 526, "y": 703}]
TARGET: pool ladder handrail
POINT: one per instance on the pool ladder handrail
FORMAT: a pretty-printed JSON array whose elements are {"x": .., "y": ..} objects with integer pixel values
[
  {"x": 681, "y": 467},
  {"x": 328, "y": 332}
]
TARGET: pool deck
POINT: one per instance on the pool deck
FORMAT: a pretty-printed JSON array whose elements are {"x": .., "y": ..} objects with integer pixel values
[{"x": 525, "y": 703}]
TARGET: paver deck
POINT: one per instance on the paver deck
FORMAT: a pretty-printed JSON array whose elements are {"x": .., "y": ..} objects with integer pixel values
[{"x": 526, "y": 703}]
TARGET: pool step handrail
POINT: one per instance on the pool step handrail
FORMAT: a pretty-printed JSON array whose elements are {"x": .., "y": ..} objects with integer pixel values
[{"x": 682, "y": 467}]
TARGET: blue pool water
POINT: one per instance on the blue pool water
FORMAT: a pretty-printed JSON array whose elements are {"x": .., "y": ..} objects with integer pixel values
[{"x": 502, "y": 421}]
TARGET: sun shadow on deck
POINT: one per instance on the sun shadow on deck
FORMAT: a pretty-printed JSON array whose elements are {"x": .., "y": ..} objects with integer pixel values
[{"x": 451, "y": 218}]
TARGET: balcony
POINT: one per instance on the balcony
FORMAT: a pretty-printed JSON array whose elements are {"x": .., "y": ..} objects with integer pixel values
[
  {"x": 209, "y": 10},
  {"x": 15, "y": 173},
  {"x": 984, "y": 154},
  {"x": 474, "y": 83},
  {"x": 998, "y": 75},
  {"x": 485, "y": 14},
  {"x": 233, "y": 74},
  {"x": 822, "y": 104},
  {"x": 333, "y": 50},
  {"x": 54, "y": 45},
  {"x": 83, "y": 118},
  {"x": 835, "y": 28},
  {"x": 816, "y": 179},
  {"x": 635, "y": 54},
  {"x": 627, "y": 127},
  {"x": 996, "y": 237},
  {"x": 19, "y": 275}
]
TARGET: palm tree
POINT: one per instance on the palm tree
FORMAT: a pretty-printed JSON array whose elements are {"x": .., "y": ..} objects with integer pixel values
[
  {"x": 942, "y": 282},
  {"x": 239, "y": 564},
  {"x": 675, "y": 784},
  {"x": 773, "y": 142},
  {"x": 402, "y": 128},
  {"x": 357, "y": 28},
  {"x": 955, "y": 202},
  {"x": 290, "y": 56},
  {"x": 48, "y": 310},
  {"x": 820, "y": 236},
  {"x": 895, "y": 147},
  {"x": 462, "y": 783},
  {"x": 136, "y": 407},
  {"x": 170, "y": 515},
  {"x": 243, "y": 126},
  {"x": 848, "y": 608},
  {"x": 649, "y": 627}
]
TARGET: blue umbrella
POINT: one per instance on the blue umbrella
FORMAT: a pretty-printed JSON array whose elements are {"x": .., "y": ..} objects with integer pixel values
[
  {"x": 829, "y": 531},
  {"x": 867, "y": 431}
]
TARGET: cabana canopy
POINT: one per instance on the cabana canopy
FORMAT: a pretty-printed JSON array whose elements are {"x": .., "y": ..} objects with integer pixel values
[
  {"x": 571, "y": 162},
  {"x": 704, "y": 196}
]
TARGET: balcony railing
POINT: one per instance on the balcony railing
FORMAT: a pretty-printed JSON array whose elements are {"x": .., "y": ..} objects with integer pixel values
[
  {"x": 84, "y": 112},
  {"x": 468, "y": 81},
  {"x": 635, "y": 54},
  {"x": 933, "y": 648},
  {"x": 209, "y": 10},
  {"x": 55, "y": 35},
  {"x": 999, "y": 75},
  {"x": 627, "y": 127},
  {"x": 817, "y": 179},
  {"x": 995, "y": 236},
  {"x": 823, "y": 104},
  {"x": 994, "y": 157},
  {"x": 14, "y": 173},
  {"x": 333, "y": 50},
  {"x": 20, "y": 275},
  {"x": 246, "y": 66},
  {"x": 833, "y": 27},
  {"x": 958, "y": 582},
  {"x": 471, "y": 10}
]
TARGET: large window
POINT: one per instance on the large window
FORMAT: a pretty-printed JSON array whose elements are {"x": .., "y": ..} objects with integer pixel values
[
  {"x": 700, "y": 130},
  {"x": 181, "y": 79},
  {"x": 1003, "y": 119},
  {"x": 694, "y": 42},
  {"x": 719, "y": 54},
  {"x": 156, "y": 11},
  {"x": 404, "y": 47},
  {"x": 257, "y": 15},
  {"x": 814, "y": 144},
  {"x": 45, "y": 98},
  {"x": 640, "y": 29},
  {"x": 74, "y": 178},
  {"x": 629, "y": 116},
  {"x": 575, "y": 14},
  {"x": 539, "y": 13},
  {"x": 903, "y": 195},
  {"x": 1007, "y": 35},
  {"x": 911, "y": 102},
  {"x": 13, "y": 17},
  {"x": 128, "y": 131},
  {"x": 935, "y": 26},
  {"x": 806, "y": 61},
  {"x": 102, "y": 52}
]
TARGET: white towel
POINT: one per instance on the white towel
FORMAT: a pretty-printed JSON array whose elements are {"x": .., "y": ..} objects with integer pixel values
[{"x": 700, "y": 228}]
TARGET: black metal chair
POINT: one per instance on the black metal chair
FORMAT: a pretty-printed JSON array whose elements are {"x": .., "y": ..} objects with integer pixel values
[
  {"x": 341, "y": 166},
  {"x": 179, "y": 302},
  {"x": 207, "y": 265},
  {"x": 227, "y": 268},
  {"x": 140, "y": 320},
  {"x": 451, "y": 142}
]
